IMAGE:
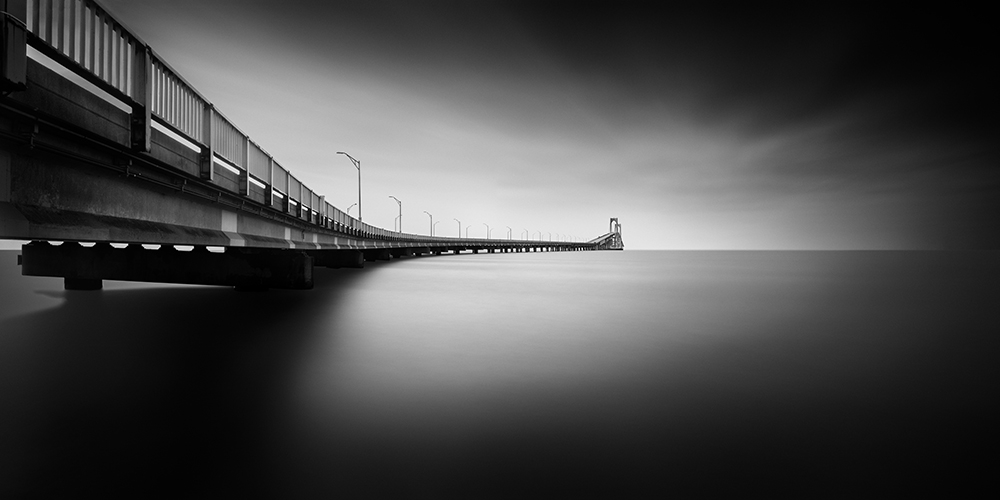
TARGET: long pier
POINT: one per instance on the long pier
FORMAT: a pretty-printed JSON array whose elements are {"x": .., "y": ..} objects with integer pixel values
[{"x": 105, "y": 148}]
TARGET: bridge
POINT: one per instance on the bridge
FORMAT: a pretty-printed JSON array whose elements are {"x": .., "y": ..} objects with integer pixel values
[{"x": 114, "y": 167}]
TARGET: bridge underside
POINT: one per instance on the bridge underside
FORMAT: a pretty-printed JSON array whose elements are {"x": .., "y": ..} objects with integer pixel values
[{"x": 69, "y": 173}]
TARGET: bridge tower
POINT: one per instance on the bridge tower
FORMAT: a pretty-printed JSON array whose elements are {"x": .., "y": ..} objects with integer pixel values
[{"x": 613, "y": 239}]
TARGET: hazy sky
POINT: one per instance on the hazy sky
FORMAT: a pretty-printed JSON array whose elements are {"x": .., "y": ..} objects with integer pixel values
[{"x": 824, "y": 127}]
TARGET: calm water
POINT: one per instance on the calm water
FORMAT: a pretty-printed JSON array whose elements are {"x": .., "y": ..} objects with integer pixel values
[{"x": 607, "y": 374}]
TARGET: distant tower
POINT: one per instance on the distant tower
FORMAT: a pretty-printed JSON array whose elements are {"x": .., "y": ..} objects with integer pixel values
[{"x": 615, "y": 230}]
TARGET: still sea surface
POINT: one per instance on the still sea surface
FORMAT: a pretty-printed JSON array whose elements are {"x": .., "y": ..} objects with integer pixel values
[{"x": 586, "y": 374}]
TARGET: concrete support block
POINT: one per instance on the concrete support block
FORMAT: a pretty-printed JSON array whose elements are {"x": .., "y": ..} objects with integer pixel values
[
  {"x": 338, "y": 258},
  {"x": 242, "y": 268},
  {"x": 400, "y": 252},
  {"x": 82, "y": 284},
  {"x": 376, "y": 254}
]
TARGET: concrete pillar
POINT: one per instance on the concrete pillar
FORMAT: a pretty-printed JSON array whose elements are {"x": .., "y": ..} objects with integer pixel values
[
  {"x": 376, "y": 254},
  {"x": 338, "y": 258},
  {"x": 400, "y": 252}
]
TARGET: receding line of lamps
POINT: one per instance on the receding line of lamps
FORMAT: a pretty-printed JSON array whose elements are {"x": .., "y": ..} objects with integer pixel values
[
  {"x": 459, "y": 226},
  {"x": 432, "y": 221},
  {"x": 357, "y": 164},
  {"x": 400, "y": 212}
]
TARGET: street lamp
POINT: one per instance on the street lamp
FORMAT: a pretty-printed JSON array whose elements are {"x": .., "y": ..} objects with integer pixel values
[
  {"x": 432, "y": 227},
  {"x": 467, "y": 230},
  {"x": 350, "y": 207},
  {"x": 459, "y": 226},
  {"x": 400, "y": 212},
  {"x": 508, "y": 232},
  {"x": 432, "y": 221},
  {"x": 487, "y": 230},
  {"x": 357, "y": 164},
  {"x": 526, "y": 234}
]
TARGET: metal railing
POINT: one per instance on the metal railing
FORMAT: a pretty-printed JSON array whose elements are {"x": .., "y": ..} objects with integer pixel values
[
  {"x": 85, "y": 33},
  {"x": 176, "y": 103}
]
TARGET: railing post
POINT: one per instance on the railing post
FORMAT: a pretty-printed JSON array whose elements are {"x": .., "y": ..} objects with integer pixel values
[
  {"x": 298, "y": 206},
  {"x": 245, "y": 168},
  {"x": 207, "y": 149},
  {"x": 269, "y": 192},
  {"x": 142, "y": 105},
  {"x": 321, "y": 211},
  {"x": 14, "y": 50},
  {"x": 287, "y": 201}
]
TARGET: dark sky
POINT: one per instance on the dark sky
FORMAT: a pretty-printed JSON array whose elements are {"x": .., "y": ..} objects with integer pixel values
[{"x": 708, "y": 126}]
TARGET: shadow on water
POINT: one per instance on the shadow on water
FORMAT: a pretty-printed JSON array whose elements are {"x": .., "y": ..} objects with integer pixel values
[
  {"x": 715, "y": 375},
  {"x": 162, "y": 389}
]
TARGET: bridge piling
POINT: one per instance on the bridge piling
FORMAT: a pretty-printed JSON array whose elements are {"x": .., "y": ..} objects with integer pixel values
[
  {"x": 338, "y": 258},
  {"x": 85, "y": 267},
  {"x": 400, "y": 252},
  {"x": 376, "y": 254}
]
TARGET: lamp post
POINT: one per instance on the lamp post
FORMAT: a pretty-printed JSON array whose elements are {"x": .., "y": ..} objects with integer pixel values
[
  {"x": 509, "y": 232},
  {"x": 526, "y": 234},
  {"x": 487, "y": 230},
  {"x": 357, "y": 164},
  {"x": 350, "y": 207},
  {"x": 400, "y": 212},
  {"x": 467, "y": 230},
  {"x": 432, "y": 227},
  {"x": 432, "y": 221},
  {"x": 459, "y": 226}
]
